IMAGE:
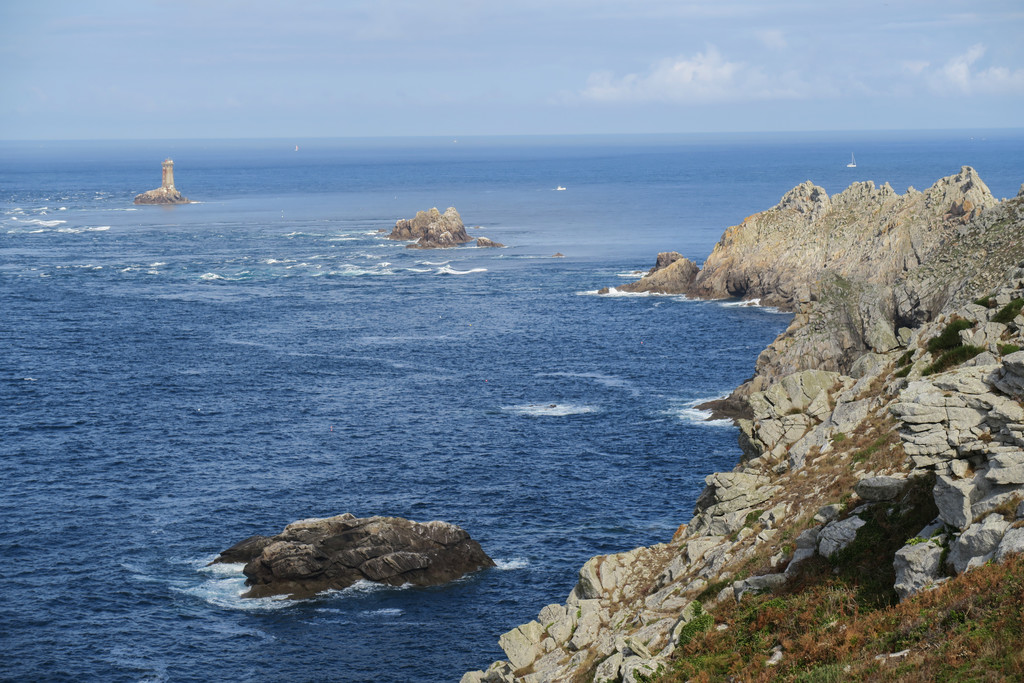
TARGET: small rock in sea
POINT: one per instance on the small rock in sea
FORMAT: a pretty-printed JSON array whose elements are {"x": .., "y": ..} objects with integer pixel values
[{"x": 314, "y": 555}]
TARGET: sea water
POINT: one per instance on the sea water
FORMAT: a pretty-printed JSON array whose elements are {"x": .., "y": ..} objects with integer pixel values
[{"x": 175, "y": 379}]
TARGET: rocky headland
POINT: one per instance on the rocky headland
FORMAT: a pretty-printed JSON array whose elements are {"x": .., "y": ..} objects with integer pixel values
[
  {"x": 874, "y": 524},
  {"x": 314, "y": 555}
]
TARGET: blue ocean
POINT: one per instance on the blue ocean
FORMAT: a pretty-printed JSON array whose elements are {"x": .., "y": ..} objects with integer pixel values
[{"x": 176, "y": 379}]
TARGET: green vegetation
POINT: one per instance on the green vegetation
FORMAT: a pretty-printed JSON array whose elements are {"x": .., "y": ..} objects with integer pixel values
[
  {"x": 905, "y": 358},
  {"x": 904, "y": 372},
  {"x": 1007, "y": 349},
  {"x": 952, "y": 358},
  {"x": 988, "y": 301},
  {"x": 701, "y": 622},
  {"x": 1008, "y": 312},
  {"x": 831, "y": 626},
  {"x": 949, "y": 338}
]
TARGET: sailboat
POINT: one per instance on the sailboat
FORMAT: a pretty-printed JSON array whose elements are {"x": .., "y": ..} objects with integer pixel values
[{"x": 853, "y": 162}]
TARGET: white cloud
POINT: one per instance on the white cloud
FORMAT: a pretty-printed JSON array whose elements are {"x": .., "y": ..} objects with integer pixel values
[
  {"x": 703, "y": 78},
  {"x": 772, "y": 38},
  {"x": 959, "y": 76}
]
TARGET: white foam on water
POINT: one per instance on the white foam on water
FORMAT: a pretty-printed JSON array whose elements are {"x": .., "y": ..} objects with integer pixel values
[
  {"x": 45, "y": 224},
  {"x": 383, "y": 612},
  {"x": 210, "y": 276},
  {"x": 447, "y": 270},
  {"x": 29, "y": 379},
  {"x": 99, "y": 228},
  {"x": 420, "y": 270},
  {"x": 747, "y": 303},
  {"x": 690, "y": 413},
  {"x": 342, "y": 239},
  {"x": 634, "y": 274},
  {"x": 63, "y": 208},
  {"x": 511, "y": 564},
  {"x": 152, "y": 272},
  {"x": 549, "y": 409},
  {"x": 432, "y": 263},
  {"x": 157, "y": 264}
]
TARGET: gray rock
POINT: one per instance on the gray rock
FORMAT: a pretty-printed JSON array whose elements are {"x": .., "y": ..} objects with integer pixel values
[
  {"x": 828, "y": 512},
  {"x": 1006, "y": 468},
  {"x": 837, "y": 535},
  {"x": 755, "y": 584},
  {"x": 917, "y": 566},
  {"x": 977, "y": 544},
  {"x": 609, "y": 669},
  {"x": 522, "y": 644},
  {"x": 880, "y": 488},
  {"x": 953, "y": 498},
  {"x": 1013, "y": 542}
]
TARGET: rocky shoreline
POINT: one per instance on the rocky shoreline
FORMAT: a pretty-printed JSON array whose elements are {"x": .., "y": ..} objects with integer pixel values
[
  {"x": 435, "y": 230},
  {"x": 881, "y": 439}
]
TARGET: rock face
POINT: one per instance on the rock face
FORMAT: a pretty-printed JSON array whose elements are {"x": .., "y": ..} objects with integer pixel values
[
  {"x": 484, "y": 242},
  {"x": 859, "y": 429},
  {"x": 166, "y": 193},
  {"x": 672, "y": 273},
  {"x": 432, "y": 230},
  {"x": 313, "y": 555}
]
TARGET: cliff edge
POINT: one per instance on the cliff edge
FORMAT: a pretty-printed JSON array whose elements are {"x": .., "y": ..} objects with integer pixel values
[{"x": 876, "y": 515}]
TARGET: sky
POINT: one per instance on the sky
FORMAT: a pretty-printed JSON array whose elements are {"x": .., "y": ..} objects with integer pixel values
[{"x": 144, "y": 69}]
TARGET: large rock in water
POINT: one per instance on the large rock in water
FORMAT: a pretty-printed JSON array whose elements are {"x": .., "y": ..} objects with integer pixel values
[
  {"x": 313, "y": 555},
  {"x": 432, "y": 229},
  {"x": 161, "y": 195}
]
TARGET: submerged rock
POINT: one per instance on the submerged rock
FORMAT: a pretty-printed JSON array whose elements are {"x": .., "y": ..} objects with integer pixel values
[
  {"x": 432, "y": 230},
  {"x": 313, "y": 555}
]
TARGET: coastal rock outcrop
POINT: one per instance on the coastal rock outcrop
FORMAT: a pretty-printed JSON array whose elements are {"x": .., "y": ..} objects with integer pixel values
[
  {"x": 484, "y": 242},
  {"x": 313, "y": 555},
  {"x": 166, "y": 193},
  {"x": 432, "y": 229},
  {"x": 882, "y": 451},
  {"x": 672, "y": 273}
]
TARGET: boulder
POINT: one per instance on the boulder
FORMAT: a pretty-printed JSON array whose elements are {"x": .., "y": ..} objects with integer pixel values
[
  {"x": 672, "y": 273},
  {"x": 835, "y": 536},
  {"x": 917, "y": 566},
  {"x": 484, "y": 242},
  {"x": 162, "y": 195},
  {"x": 953, "y": 498},
  {"x": 875, "y": 489},
  {"x": 977, "y": 544},
  {"x": 313, "y": 555},
  {"x": 1013, "y": 542},
  {"x": 432, "y": 230}
]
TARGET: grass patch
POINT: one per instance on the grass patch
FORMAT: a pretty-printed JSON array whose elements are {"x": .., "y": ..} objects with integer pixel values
[
  {"x": 1008, "y": 312},
  {"x": 988, "y": 301},
  {"x": 949, "y": 338},
  {"x": 905, "y": 358},
  {"x": 1007, "y": 349},
  {"x": 952, "y": 358}
]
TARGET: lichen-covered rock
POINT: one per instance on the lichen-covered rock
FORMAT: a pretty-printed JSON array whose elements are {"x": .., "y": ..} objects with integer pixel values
[
  {"x": 977, "y": 544},
  {"x": 313, "y": 555}
]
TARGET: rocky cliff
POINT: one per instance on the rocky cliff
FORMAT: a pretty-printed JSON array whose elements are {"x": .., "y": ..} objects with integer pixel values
[
  {"x": 161, "y": 195},
  {"x": 881, "y": 471}
]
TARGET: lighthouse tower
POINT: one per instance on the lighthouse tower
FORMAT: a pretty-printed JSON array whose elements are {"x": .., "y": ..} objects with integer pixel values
[{"x": 168, "y": 182}]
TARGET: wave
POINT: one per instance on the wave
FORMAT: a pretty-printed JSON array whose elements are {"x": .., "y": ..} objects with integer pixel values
[
  {"x": 633, "y": 274},
  {"x": 420, "y": 270},
  {"x": 210, "y": 276},
  {"x": 383, "y": 612},
  {"x": 447, "y": 270},
  {"x": 432, "y": 263},
  {"x": 549, "y": 409},
  {"x": 157, "y": 264},
  {"x": 224, "y": 586},
  {"x": 750, "y": 303},
  {"x": 691, "y": 413},
  {"x": 514, "y": 563},
  {"x": 45, "y": 224}
]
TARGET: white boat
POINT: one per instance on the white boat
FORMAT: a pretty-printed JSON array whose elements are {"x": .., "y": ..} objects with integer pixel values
[
  {"x": 853, "y": 162},
  {"x": 559, "y": 188}
]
